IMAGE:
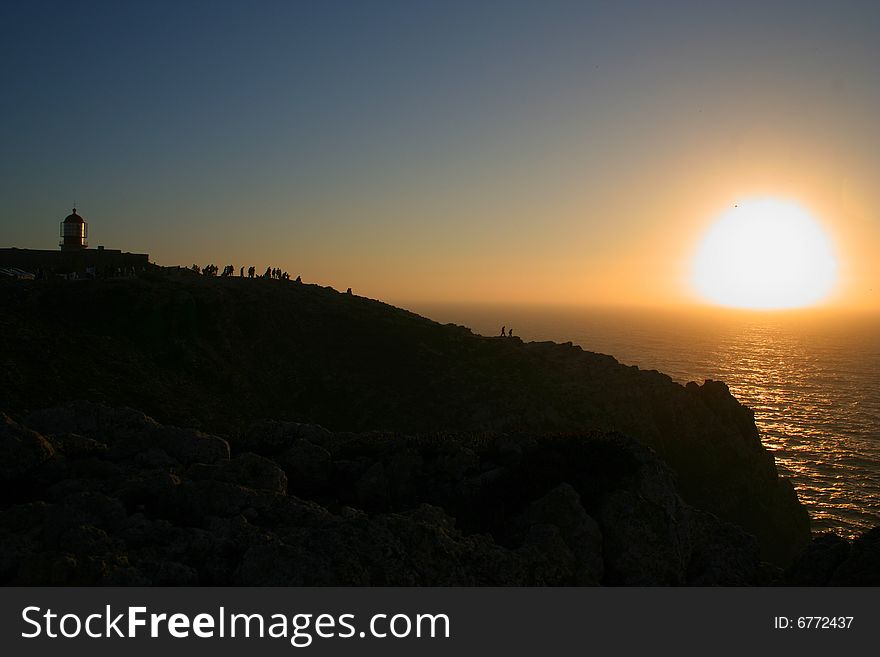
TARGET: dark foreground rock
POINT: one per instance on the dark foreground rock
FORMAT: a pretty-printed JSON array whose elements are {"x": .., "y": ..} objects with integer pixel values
[
  {"x": 99, "y": 495},
  {"x": 832, "y": 560},
  {"x": 219, "y": 354}
]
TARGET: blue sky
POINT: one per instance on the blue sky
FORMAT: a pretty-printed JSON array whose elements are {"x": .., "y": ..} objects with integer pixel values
[{"x": 402, "y": 144}]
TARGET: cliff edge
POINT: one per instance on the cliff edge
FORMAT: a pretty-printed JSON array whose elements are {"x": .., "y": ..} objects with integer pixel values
[{"x": 219, "y": 354}]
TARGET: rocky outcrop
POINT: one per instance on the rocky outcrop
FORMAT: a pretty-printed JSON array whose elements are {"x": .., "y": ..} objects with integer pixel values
[
  {"x": 832, "y": 560},
  {"x": 112, "y": 500},
  {"x": 219, "y": 354},
  {"x": 21, "y": 451}
]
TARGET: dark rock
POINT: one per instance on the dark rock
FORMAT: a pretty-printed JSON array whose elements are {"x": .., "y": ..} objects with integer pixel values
[
  {"x": 308, "y": 466},
  {"x": 374, "y": 509},
  {"x": 248, "y": 470},
  {"x": 90, "y": 467},
  {"x": 372, "y": 488},
  {"x": 127, "y": 432},
  {"x": 817, "y": 564},
  {"x": 644, "y": 525},
  {"x": 155, "y": 490},
  {"x": 21, "y": 451},
  {"x": 404, "y": 470},
  {"x": 189, "y": 446},
  {"x": 48, "y": 568},
  {"x": 78, "y": 510},
  {"x": 196, "y": 501},
  {"x": 172, "y": 573},
  {"x": 197, "y": 354},
  {"x": 510, "y": 452},
  {"x": 721, "y": 554},
  {"x": 561, "y": 508},
  {"x": 547, "y": 557},
  {"x": 271, "y": 437},
  {"x": 862, "y": 567},
  {"x": 74, "y": 446}
]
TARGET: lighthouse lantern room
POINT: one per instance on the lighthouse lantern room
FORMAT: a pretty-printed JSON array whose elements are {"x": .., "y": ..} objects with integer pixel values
[{"x": 74, "y": 232}]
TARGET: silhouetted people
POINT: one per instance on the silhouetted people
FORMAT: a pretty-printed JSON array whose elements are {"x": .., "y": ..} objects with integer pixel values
[
  {"x": 510, "y": 333},
  {"x": 298, "y": 279},
  {"x": 502, "y": 331},
  {"x": 348, "y": 291},
  {"x": 275, "y": 273}
]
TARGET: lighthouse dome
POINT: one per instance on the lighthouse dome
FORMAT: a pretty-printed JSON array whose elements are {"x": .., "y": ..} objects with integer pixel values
[{"x": 74, "y": 218}]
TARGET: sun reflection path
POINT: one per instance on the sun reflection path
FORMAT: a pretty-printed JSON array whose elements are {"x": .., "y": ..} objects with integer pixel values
[{"x": 813, "y": 415}]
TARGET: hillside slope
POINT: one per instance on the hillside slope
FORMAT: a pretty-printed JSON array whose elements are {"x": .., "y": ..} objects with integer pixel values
[{"x": 217, "y": 354}]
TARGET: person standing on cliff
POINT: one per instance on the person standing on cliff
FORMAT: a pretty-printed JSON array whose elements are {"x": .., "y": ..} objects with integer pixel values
[{"x": 502, "y": 331}]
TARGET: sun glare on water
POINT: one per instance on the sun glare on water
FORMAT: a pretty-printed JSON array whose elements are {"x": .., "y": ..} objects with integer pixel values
[{"x": 765, "y": 254}]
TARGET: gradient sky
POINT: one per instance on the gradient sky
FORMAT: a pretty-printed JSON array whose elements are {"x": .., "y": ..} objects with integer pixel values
[{"x": 476, "y": 151}]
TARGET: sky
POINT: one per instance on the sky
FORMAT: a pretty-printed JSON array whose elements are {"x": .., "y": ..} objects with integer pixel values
[{"x": 537, "y": 152}]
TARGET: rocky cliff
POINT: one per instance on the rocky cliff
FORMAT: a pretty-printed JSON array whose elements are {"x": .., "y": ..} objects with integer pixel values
[
  {"x": 219, "y": 354},
  {"x": 98, "y": 495}
]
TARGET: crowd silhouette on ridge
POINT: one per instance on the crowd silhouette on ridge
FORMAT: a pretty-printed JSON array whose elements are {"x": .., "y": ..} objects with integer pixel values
[{"x": 229, "y": 271}]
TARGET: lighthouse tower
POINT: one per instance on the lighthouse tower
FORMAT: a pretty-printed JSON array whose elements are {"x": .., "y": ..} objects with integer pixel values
[{"x": 74, "y": 231}]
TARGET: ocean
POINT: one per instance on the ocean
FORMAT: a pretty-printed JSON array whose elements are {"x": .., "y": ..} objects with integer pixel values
[{"x": 812, "y": 379}]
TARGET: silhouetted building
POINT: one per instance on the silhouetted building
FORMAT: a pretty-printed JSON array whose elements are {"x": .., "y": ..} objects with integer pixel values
[
  {"x": 74, "y": 256},
  {"x": 74, "y": 232}
]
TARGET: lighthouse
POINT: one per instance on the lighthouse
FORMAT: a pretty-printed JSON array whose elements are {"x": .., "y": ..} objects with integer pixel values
[{"x": 74, "y": 231}]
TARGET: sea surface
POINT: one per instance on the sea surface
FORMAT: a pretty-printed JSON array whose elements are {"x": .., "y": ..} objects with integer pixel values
[{"x": 812, "y": 379}]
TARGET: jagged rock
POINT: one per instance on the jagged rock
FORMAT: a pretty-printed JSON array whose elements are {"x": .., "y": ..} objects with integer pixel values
[
  {"x": 170, "y": 573},
  {"x": 862, "y": 567},
  {"x": 453, "y": 463},
  {"x": 248, "y": 469},
  {"x": 510, "y": 452},
  {"x": 271, "y": 437},
  {"x": 197, "y": 354},
  {"x": 127, "y": 432},
  {"x": 716, "y": 395},
  {"x": 404, "y": 470},
  {"x": 153, "y": 490},
  {"x": 547, "y": 556},
  {"x": 308, "y": 466},
  {"x": 74, "y": 446},
  {"x": 561, "y": 508},
  {"x": 200, "y": 499},
  {"x": 405, "y": 549},
  {"x": 817, "y": 564},
  {"x": 721, "y": 554},
  {"x": 20, "y": 535},
  {"x": 47, "y": 568},
  {"x": 645, "y": 532},
  {"x": 567, "y": 509},
  {"x": 372, "y": 488},
  {"x": 267, "y": 437},
  {"x": 21, "y": 451}
]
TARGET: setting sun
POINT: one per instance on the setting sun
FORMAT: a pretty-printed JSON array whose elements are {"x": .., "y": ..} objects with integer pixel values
[{"x": 765, "y": 254}]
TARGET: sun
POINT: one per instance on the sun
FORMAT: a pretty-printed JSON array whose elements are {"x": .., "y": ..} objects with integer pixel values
[{"x": 765, "y": 254}]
